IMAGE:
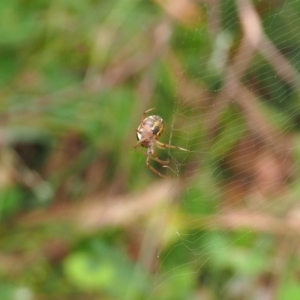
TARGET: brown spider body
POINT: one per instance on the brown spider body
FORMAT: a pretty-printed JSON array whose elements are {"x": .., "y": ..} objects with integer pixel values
[{"x": 148, "y": 132}]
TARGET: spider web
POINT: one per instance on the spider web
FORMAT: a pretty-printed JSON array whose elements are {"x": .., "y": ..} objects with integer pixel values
[
  {"x": 229, "y": 225},
  {"x": 237, "y": 200}
]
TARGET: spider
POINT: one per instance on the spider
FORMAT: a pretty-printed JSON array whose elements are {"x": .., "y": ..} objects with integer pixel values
[{"x": 148, "y": 132}]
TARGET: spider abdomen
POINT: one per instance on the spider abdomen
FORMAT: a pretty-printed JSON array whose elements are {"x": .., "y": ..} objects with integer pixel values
[{"x": 151, "y": 128}]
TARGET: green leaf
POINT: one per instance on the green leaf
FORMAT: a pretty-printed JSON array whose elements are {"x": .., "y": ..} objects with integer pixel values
[{"x": 106, "y": 270}]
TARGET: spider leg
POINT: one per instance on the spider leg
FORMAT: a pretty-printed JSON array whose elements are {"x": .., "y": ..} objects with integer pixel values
[
  {"x": 162, "y": 162},
  {"x": 162, "y": 145},
  {"x": 154, "y": 157},
  {"x": 139, "y": 142},
  {"x": 154, "y": 170},
  {"x": 145, "y": 113},
  {"x": 163, "y": 165}
]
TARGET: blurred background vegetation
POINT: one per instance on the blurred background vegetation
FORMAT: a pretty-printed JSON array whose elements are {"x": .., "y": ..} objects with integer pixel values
[{"x": 81, "y": 215}]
